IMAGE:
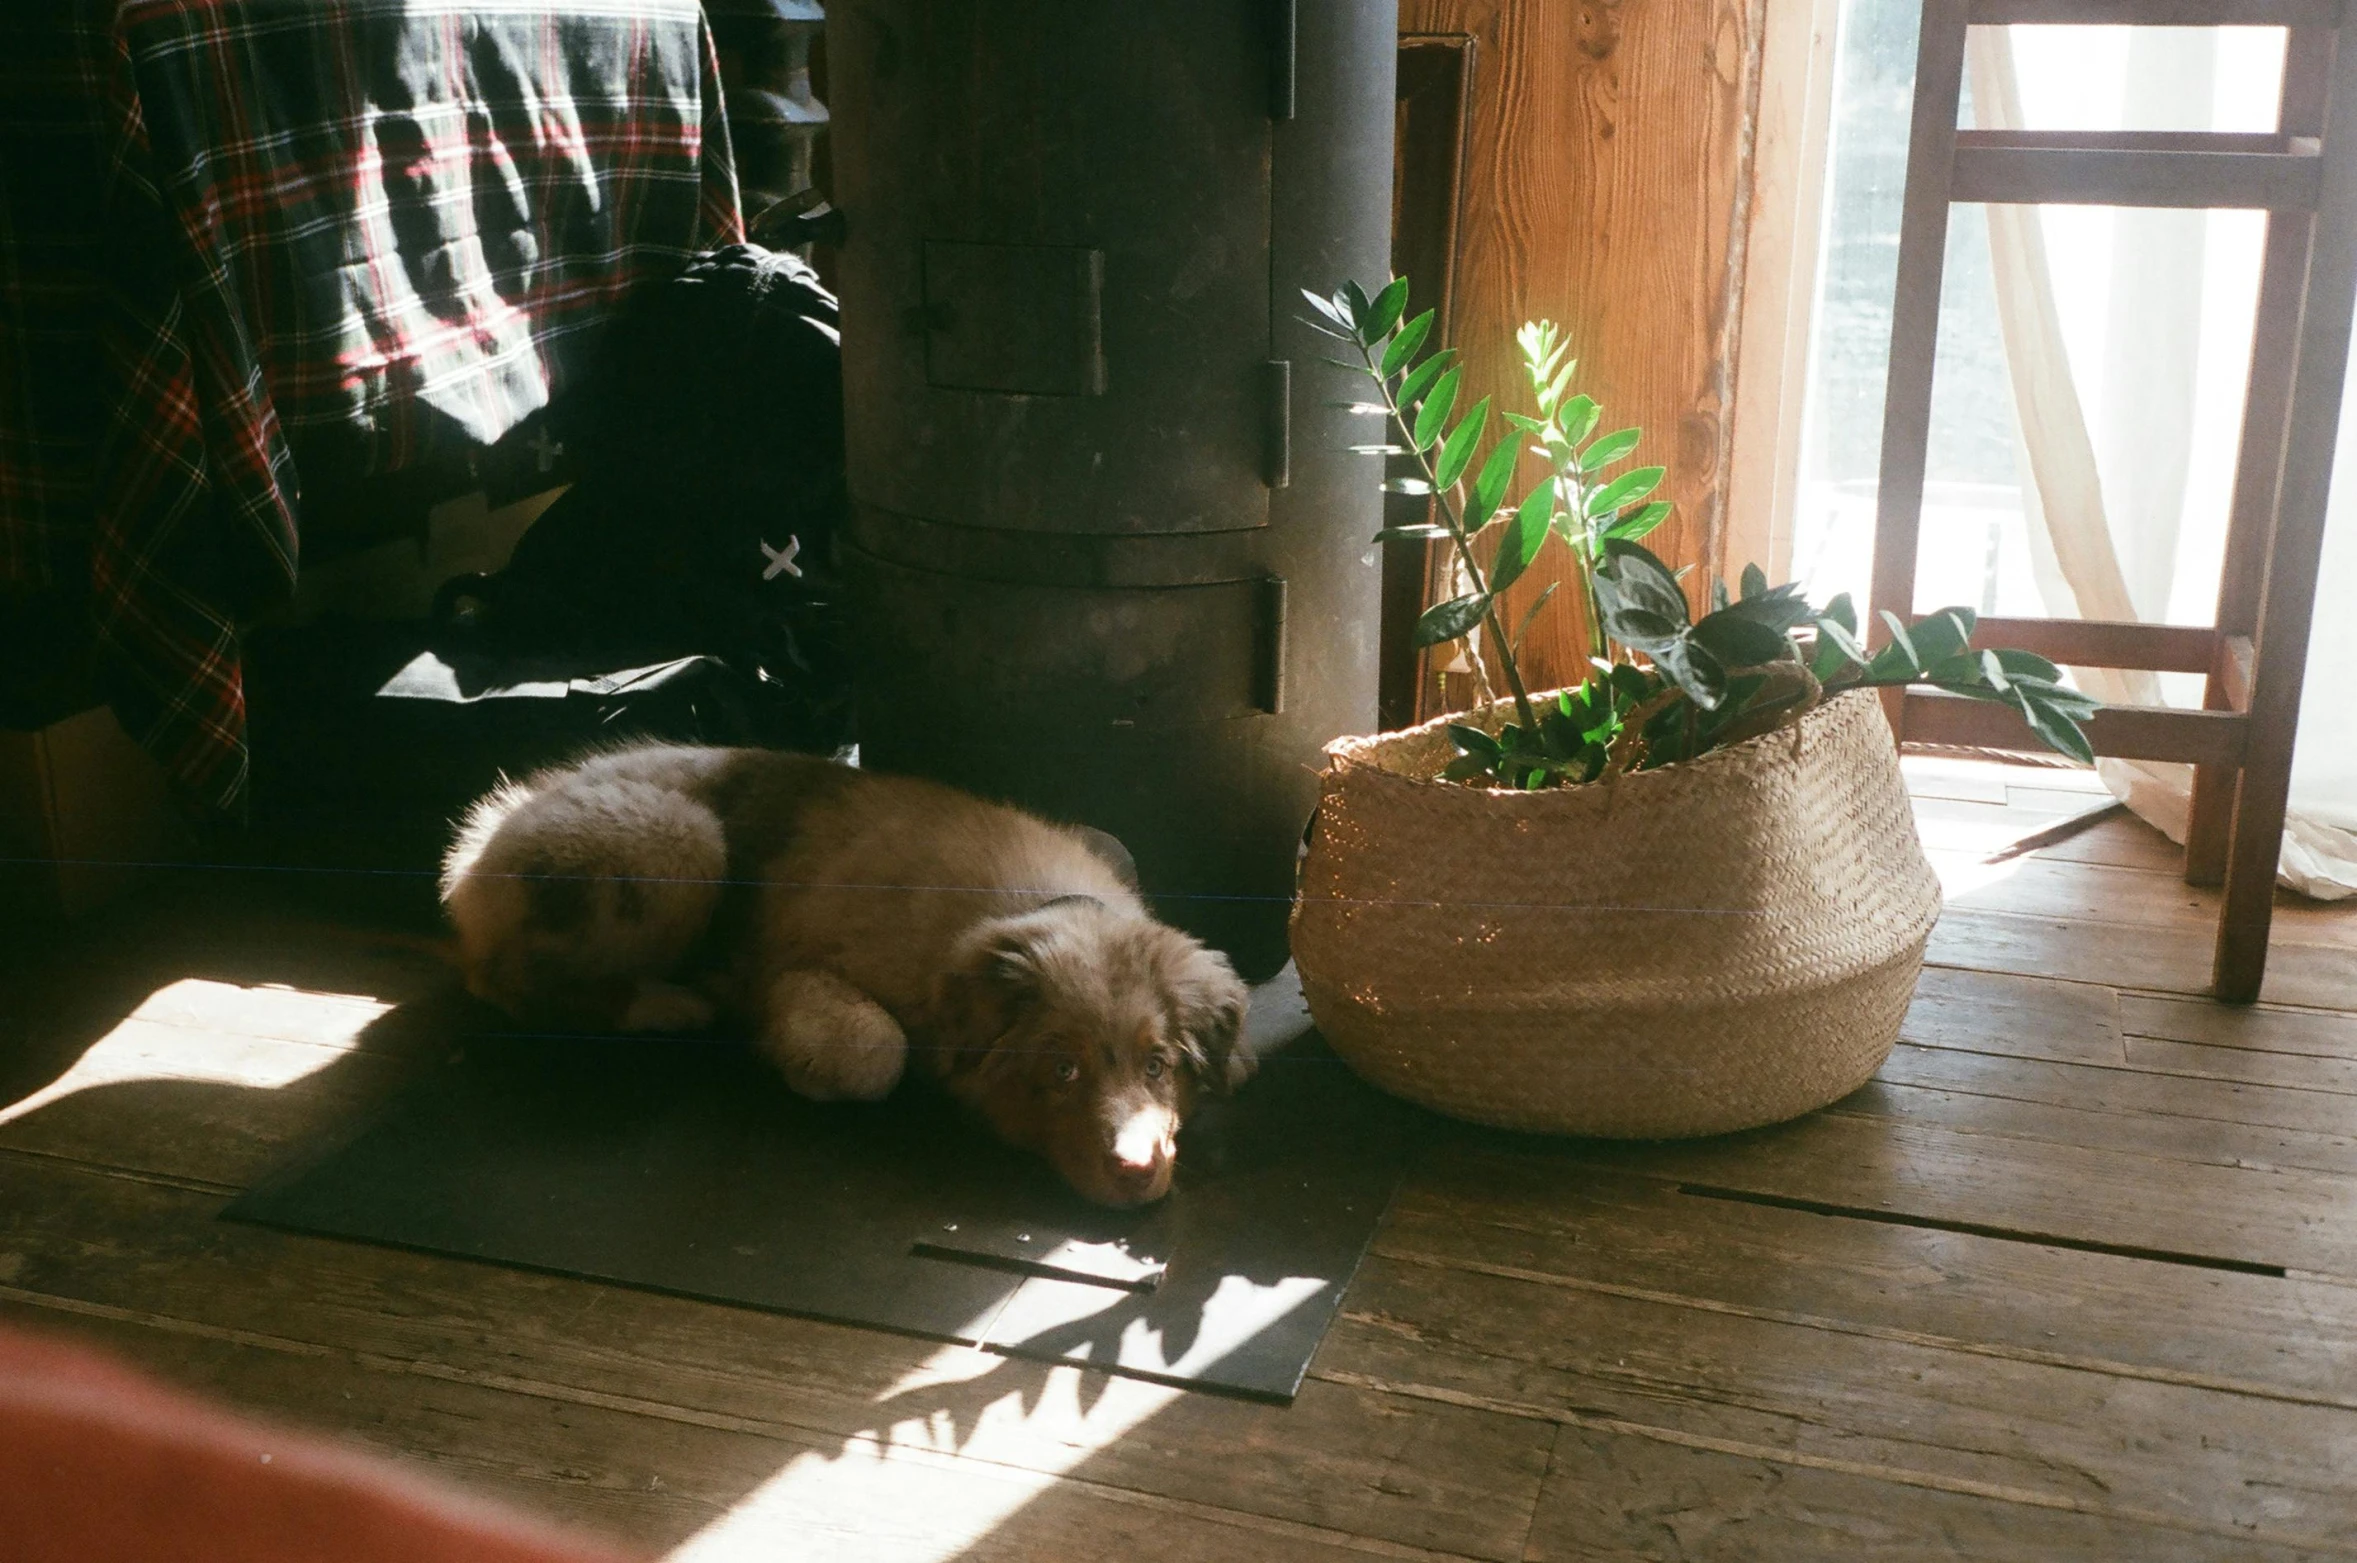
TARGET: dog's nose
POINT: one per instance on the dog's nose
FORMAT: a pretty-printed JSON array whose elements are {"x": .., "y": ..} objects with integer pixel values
[
  {"x": 1138, "y": 1166},
  {"x": 1143, "y": 1144}
]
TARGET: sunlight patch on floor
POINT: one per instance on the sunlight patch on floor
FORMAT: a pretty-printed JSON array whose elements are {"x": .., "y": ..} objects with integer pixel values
[
  {"x": 1962, "y": 873},
  {"x": 963, "y": 1443},
  {"x": 218, "y": 1032},
  {"x": 926, "y": 1486}
]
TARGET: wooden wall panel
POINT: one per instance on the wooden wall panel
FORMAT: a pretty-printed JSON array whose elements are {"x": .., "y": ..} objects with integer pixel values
[{"x": 1604, "y": 185}]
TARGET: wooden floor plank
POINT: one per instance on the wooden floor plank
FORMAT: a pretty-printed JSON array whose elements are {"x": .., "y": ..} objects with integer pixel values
[
  {"x": 2122, "y": 955},
  {"x": 2177, "y": 1117},
  {"x": 1983, "y": 829},
  {"x": 2122, "y": 841},
  {"x": 2256, "y": 1027},
  {"x": 2027, "y": 1017},
  {"x": 2246, "y": 1215},
  {"x": 1404, "y": 1472},
  {"x": 1960, "y": 781},
  {"x": 1614, "y": 1497},
  {"x": 2099, "y": 893},
  {"x": 2233, "y": 1467},
  {"x": 1542, "y": 1215},
  {"x": 2195, "y": 1060}
]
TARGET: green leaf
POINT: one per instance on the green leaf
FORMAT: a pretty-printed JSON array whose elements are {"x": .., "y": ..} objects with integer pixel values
[
  {"x": 1523, "y": 538},
  {"x": 1525, "y": 422},
  {"x": 2026, "y": 664},
  {"x": 1529, "y": 617},
  {"x": 1639, "y": 523},
  {"x": 1404, "y": 346},
  {"x": 1695, "y": 669},
  {"x": 1355, "y": 310},
  {"x": 2058, "y": 730},
  {"x": 2060, "y": 696},
  {"x": 1837, "y": 647},
  {"x": 1419, "y": 378},
  {"x": 1902, "y": 644},
  {"x": 1941, "y": 635},
  {"x": 1327, "y": 308},
  {"x": 1755, "y": 582},
  {"x": 1994, "y": 670},
  {"x": 1564, "y": 737},
  {"x": 1472, "y": 740},
  {"x": 1780, "y": 609},
  {"x": 1468, "y": 767},
  {"x": 1490, "y": 486},
  {"x": 1739, "y": 641},
  {"x": 1378, "y": 321},
  {"x": 1961, "y": 672},
  {"x": 1626, "y": 489},
  {"x": 1841, "y": 613},
  {"x": 1609, "y": 448},
  {"x": 1642, "y": 629},
  {"x": 1551, "y": 396},
  {"x": 1433, "y": 416},
  {"x": 1422, "y": 532},
  {"x": 1578, "y": 418},
  {"x": 1630, "y": 580},
  {"x": 1456, "y": 452},
  {"x": 1449, "y": 620}
]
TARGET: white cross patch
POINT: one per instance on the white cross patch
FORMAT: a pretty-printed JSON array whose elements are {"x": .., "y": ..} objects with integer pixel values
[{"x": 782, "y": 559}]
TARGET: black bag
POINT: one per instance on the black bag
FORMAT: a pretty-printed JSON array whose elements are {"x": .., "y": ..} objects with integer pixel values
[{"x": 709, "y": 452}]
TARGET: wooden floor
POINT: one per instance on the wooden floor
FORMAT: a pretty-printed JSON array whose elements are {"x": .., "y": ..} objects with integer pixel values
[{"x": 2076, "y": 1278}]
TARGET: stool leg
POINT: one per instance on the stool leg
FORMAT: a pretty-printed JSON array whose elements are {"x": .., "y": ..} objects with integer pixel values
[
  {"x": 2244, "y": 921},
  {"x": 2209, "y": 825}
]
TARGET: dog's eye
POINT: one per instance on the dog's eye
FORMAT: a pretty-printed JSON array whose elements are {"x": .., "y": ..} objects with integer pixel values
[
  {"x": 1154, "y": 1067},
  {"x": 1067, "y": 1072}
]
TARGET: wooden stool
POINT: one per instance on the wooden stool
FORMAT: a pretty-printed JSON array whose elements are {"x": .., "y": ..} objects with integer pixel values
[{"x": 2304, "y": 176}]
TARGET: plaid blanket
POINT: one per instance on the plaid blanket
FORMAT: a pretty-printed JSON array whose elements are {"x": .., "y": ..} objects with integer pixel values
[{"x": 235, "y": 231}]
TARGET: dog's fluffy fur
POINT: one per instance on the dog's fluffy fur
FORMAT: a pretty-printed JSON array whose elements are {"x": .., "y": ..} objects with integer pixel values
[{"x": 853, "y": 924}]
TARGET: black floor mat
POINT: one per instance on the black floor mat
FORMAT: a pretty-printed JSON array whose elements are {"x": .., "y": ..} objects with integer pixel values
[{"x": 688, "y": 1167}]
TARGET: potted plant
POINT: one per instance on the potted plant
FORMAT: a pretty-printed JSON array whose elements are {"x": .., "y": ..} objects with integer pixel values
[{"x": 1684, "y": 896}]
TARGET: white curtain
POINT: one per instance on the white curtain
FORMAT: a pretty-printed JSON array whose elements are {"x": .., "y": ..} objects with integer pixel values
[{"x": 2127, "y": 340}]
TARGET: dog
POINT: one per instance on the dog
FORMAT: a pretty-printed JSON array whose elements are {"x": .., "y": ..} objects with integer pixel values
[{"x": 856, "y": 926}]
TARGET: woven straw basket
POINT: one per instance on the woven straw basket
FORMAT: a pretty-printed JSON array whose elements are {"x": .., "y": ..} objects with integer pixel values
[{"x": 1711, "y": 946}]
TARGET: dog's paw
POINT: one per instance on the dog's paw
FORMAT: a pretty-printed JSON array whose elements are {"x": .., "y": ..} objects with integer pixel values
[
  {"x": 831, "y": 1041},
  {"x": 665, "y": 1007}
]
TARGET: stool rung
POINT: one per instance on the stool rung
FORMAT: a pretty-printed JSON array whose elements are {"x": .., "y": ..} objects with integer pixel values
[
  {"x": 2105, "y": 643},
  {"x": 2159, "y": 13},
  {"x": 2135, "y": 168},
  {"x": 2122, "y": 732}
]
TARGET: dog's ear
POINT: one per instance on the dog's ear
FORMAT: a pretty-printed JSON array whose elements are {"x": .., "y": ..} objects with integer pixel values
[
  {"x": 1210, "y": 1002},
  {"x": 1108, "y": 850},
  {"x": 992, "y": 978}
]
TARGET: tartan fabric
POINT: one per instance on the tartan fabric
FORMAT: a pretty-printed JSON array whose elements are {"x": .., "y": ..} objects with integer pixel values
[
  {"x": 381, "y": 229},
  {"x": 52, "y": 177}
]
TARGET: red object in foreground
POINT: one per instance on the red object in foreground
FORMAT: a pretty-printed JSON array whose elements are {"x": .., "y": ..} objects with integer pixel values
[{"x": 101, "y": 1465}]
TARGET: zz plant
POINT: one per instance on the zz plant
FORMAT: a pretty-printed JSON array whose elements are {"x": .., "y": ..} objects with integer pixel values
[{"x": 1666, "y": 686}]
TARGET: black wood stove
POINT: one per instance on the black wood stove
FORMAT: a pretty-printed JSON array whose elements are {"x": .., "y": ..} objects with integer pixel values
[{"x": 1112, "y": 555}]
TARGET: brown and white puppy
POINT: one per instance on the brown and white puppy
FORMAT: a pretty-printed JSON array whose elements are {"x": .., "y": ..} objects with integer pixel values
[{"x": 850, "y": 922}]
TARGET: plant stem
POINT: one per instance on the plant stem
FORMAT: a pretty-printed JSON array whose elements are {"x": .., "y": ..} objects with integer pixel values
[
  {"x": 1456, "y": 531},
  {"x": 1583, "y": 552}
]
